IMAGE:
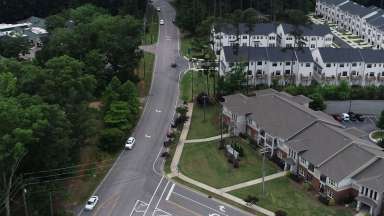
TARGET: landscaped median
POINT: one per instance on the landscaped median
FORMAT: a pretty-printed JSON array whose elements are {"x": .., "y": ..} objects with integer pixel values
[{"x": 286, "y": 195}]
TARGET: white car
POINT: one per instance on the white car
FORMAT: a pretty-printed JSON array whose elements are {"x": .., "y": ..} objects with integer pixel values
[
  {"x": 130, "y": 143},
  {"x": 91, "y": 203},
  {"x": 158, "y": 9},
  {"x": 161, "y": 22},
  {"x": 345, "y": 117}
]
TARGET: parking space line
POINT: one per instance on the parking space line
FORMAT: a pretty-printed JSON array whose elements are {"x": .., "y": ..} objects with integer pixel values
[
  {"x": 162, "y": 194},
  {"x": 170, "y": 192},
  {"x": 153, "y": 195},
  {"x": 201, "y": 204}
]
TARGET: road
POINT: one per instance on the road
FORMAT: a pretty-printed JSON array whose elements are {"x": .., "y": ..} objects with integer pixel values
[
  {"x": 366, "y": 107},
  {"x": 135, "y": 185}
]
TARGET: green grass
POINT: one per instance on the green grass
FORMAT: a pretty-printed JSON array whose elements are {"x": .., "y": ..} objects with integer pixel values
[
  {"x": 153, "y": 27},
  {"x": 204, "y": 162},
  {"x": 146, "y": 78},
  {"x": 284, "y": 194},
  {"x": 203, "y": 129},
  {"x": 199, "y": 85},
  {"x": 378, "y": 135},
  {"x": 186, "y": 43}
]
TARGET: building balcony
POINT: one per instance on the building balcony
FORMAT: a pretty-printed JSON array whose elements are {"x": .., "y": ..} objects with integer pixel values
[
  {"x": 370, "y": 78},
  {"x": 356, "y": 77},
  {"x": 303, "y": 77},
  {"x": 261, "y": 76},
  {"x": 327, "y": 78},
  {"x": 380, "y": 78}
]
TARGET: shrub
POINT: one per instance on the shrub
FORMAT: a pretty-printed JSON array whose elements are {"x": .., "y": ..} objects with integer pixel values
[
  {"x": 381, "y": 143},
  {"x": 308, "y": 186},
  {"x": 251, "y": 199},
  {"x": 324, "y": 199},
  {"x": 203, "y": 99},
  {"x": 332, "y": 202},
  {"x": 165, "y": 154},
  {"x": 236, "y": 163},
  {"x": 280, "y": 213}
]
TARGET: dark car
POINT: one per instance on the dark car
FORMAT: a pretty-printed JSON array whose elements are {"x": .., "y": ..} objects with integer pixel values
[
  {"x": 174, "y": 65},
  {"x": 352, "y": 116},
  {"x": 360, "y": 117},
  {"x": 337, "y": 117}
]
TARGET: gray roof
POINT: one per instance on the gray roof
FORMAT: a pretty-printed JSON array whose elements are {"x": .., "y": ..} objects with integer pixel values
[
  {"x": 243, "y": 28},
  {"x": 333, "y": 2},
  {"x": 318, "y": 142},
  {"x": 275, "y": 54},
  {"x": 285, "y": 117},
  {"x": 351, "y": 55},
  {"x": 346, "y": 162},
  {"x": 356, "y": 132},
  {"x": 372, "y": 176},
  {"x": 377, "y": 20},
  {"x": 309, "y": 30},
  {"x": 340, "y": 54},
  {"x": 357, "y": 9},
  {"x": 372, "y": 56}
]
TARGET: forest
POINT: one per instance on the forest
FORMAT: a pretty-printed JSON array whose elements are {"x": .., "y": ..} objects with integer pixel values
[{"x": 80, "y": 92}]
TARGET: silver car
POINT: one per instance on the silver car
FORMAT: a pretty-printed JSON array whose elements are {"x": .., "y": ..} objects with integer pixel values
[{"x": 130, "y": 143}]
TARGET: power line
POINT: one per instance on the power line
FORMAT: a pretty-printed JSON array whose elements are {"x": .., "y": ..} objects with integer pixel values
[
  {"x": 69, "y": 172},
  {"x": 68, "y": 167}
]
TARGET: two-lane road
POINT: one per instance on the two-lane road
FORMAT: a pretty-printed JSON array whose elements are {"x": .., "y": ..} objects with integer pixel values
[{"x": 135, "y": 185}]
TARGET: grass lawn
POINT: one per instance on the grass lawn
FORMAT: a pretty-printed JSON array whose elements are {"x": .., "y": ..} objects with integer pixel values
[
  {"x": 204, "y": 162},
  {"x": 378, "y": 135},
  {"x": 199, "y": 85},
  {"x": 203, "y": 129},
  {"x": 186, "y": 43},
  {"x": 146, "y": 77},
  {"x": 284, "y": 194},
  {"x": 153, "y": 27}
]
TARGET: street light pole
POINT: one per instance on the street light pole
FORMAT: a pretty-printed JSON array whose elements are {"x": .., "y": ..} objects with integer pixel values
[{"x": 25, "y": 201}]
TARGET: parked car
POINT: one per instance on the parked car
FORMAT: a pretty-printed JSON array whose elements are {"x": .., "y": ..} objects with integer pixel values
[
  {"x": 360, "y": 117},
  {"x": 173, "y": 65},
  {"x": 158, "y": 9},
  {"x": 345, "y": 117},
  {"x": 91, "y": 203},
  {"x": 130, "y": 143},
  {"x": 337, "y": 118},
  {"x": 161, "y": 22}
]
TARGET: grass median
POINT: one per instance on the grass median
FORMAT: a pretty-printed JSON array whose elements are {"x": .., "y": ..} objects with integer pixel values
[{"x": 204, "y": 162}]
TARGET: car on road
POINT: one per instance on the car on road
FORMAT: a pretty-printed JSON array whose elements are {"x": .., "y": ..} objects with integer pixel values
[
  {"x": 130, "y": 143},
  {"x": 158, "y": 9},
  {"x": 91, "y": 203},
  {"x": 161, "y": 22},
  {"x": 337, "y": 118}
]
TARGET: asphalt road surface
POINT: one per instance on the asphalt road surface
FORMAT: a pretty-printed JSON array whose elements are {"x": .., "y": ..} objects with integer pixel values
[{"x": 135, "y": 186}]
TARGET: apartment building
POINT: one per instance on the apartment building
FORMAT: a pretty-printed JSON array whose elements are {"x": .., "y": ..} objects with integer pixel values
[
  {"x": 313, "y": 36},
  {"x": 365, "y": 22},
  {"x": 262, "y": 65},
  {"x": 269, "y": 35},
  {"x": 356, "y": 66},
  {"x": 335, "y": 160}
]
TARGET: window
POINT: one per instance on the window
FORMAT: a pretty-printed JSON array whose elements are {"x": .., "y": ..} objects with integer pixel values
[
  {"x": 301, "y": 171},
  {"x": 287, "y": 72},
  {"x": 313, "y": 46},
  {"x": 382, "y": 74},
  {"x": 274, "y": 64},
  {"x": 341, "y": 65},
  {"x": 371, "y": 74},
  {"x": 354, "y": 64},
  {"x": 259, "y": 72},
  {"x": 331, "y": 182},
  {"x": 278, "y": 73},
  {"x": 323, "y": 178},
  {"x": 249, "y": 73},
  {"x": 307, "y": 64},
  {"x": 330, "y": 193},
  {"x": 245, "y": 37},
  {"x": 313, "y": 38},
  {"x": 362, "y": 190},
  {"x": 328, "y": 65},
  {"x": 369, "y": 66},
  {"x": 345, "y": 73},
  {"x": 287, "y": 63},
  {"x": 375, "y": 196},
  {"x": 260, "y": 63},
  {"x": 370, "y": 193}
]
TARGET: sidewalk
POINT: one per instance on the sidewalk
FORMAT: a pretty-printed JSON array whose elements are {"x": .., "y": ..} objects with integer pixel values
[
  {"x": 176, "y": 173},
  {"x": 180, "y": 144},
  {"x": 253, "y": 182},
  {"x": 206, "y": 139}
]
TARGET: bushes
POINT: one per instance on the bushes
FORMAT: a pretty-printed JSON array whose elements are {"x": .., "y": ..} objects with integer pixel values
[
  {"x": 324, "y": 199},
  {"x": 239, "y": 149},
  {"x": 251, "y": 199},
  {"x": 111, "y": 139},
  {"x": 280, "y": 213}
]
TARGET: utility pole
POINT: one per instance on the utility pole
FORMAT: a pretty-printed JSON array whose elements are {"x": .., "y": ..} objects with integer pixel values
[
  {"x": 25, "y": 201},
  {"x": 50, "y": 202},
  {"x": 192, "y": 71}
]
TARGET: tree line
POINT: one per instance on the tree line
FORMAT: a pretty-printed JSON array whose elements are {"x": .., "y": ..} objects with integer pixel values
[
  {"x": 15, "y": 10},
  {"x": 79, "y": 91}
]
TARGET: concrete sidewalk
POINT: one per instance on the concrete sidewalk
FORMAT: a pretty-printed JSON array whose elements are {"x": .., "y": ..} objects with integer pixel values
[
  {"x": 254, "y": 182},
  {"x": 180, "y": 144},
  {"x": 176, "y": 172},
  {"x": 206, "y": 139}
]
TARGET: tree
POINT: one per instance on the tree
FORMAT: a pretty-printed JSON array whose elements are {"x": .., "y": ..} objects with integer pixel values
[
  {"x": 317, "y": 102},
  {"x": 120, "y": 115},
  {"x": 111, "y": 139},
  {"x": 12, "y": 47},
  {"x": 380, "y": 123},
  {"x": 7, "y": 84}
]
